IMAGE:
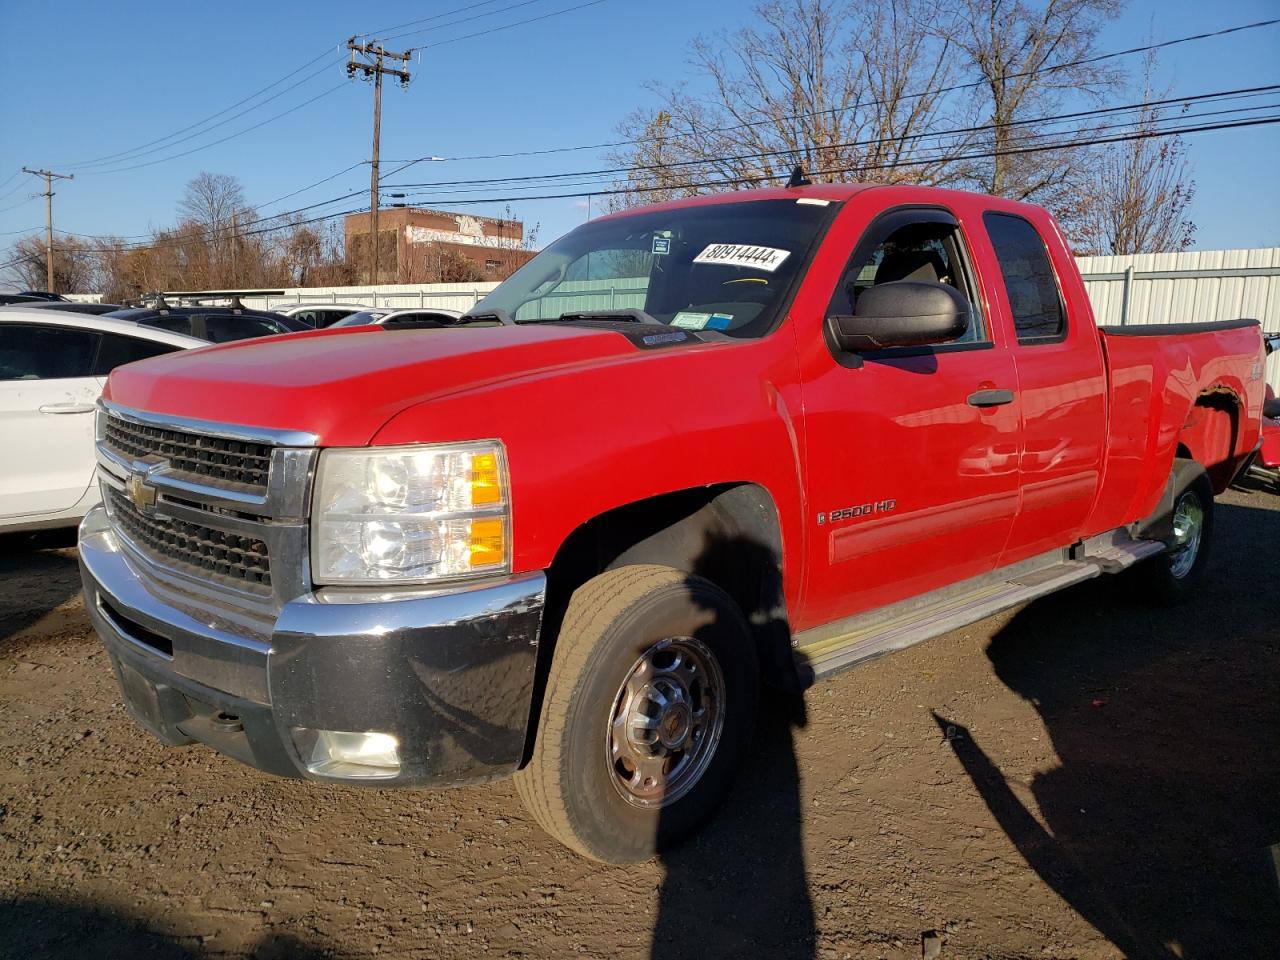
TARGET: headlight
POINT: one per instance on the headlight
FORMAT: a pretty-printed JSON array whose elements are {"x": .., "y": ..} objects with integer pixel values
[{"x": 411, "y": 514}]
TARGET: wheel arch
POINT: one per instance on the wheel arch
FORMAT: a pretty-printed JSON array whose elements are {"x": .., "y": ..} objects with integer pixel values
[
  {"x": 729, "y": 533},
  {"x": 1210, "y": 434}
]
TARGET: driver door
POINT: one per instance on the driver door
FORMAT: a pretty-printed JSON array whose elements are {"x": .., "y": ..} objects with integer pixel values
[{"x": 912, "y": 453}]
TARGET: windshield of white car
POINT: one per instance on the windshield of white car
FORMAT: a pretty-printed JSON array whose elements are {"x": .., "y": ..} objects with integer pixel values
[{"x": 725, "y": 267}]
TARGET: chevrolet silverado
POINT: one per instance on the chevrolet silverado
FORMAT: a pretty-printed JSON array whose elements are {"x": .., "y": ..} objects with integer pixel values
[{"x": 691, "y": 447}]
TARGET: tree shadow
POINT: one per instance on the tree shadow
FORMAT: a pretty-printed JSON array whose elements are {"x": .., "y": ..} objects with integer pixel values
[
  {"x": 738, "y": 887},
  {"x": 46, "y": 929},
  {"x": 1160, "y": 821},
  {"x": 39, "y": 575}
]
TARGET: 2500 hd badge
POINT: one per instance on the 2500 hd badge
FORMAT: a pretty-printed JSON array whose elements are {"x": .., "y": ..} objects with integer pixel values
[{"x": 861, "y": 510}]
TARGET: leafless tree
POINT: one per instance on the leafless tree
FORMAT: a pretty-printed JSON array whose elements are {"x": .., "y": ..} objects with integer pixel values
[
  {"x": 829, "y": 84},
  {"x": 1143, "y": 191},
  {"x": 74, "y": 265},
  {"x": 215, "y": 202},
  {"x": 1028, "y": 57}
]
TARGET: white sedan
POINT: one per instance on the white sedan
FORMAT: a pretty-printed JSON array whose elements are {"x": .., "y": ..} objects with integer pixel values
[{"x": 53, "y": 366}]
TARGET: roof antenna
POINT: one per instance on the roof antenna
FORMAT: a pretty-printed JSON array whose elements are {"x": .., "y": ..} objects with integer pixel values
[{"x": 798, "y": 179}]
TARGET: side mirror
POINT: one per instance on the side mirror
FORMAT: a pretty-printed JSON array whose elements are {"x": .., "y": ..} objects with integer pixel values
[{"x": 905, "y": 313}]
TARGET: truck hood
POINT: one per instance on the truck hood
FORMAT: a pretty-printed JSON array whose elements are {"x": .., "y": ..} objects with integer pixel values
[{"x": 342, "y": 385}]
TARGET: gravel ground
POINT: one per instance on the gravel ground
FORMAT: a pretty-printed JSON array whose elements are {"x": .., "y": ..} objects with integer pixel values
[{"x": 1082, "y": 778}]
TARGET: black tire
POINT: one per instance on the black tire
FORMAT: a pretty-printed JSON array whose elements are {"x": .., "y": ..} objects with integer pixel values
[
  {"x": 1169, "y": 579},
  {"x": 613, "y": 621}
]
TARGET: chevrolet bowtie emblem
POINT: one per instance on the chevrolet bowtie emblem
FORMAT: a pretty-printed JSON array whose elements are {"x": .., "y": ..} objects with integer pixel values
[{"x": 140, "y": 492}]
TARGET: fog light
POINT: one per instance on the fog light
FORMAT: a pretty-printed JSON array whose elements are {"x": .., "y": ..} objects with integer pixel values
[{"x": 351, "y": 756}]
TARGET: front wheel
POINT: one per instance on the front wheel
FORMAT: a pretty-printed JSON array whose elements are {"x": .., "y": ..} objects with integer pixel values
[
  {"x": 650, "y": 705},
  {"x": 1172, "y": 577}
]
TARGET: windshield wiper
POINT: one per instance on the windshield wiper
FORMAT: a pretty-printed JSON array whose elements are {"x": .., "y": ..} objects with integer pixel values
[
  {"x": 628, "y": 314},
  {"x": 492, "y": 313}
]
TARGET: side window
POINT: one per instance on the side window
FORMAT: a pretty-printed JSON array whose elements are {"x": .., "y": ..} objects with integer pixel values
[
  {"x": 116, "y": 350},
  {"x": 32, "y": 352},
  {"x": 310, "y": 317},
  {"x": 222, "y": 328},
  {"x": 1029, "y": 279},
  {"x": 900, "y": 247},
  {"x": 172, "y": 322}
]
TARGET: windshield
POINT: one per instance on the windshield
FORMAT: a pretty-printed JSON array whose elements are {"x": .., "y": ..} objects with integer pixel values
[
  {"x": 361, "y": 319},
  {"x": 722, "y": 267}
]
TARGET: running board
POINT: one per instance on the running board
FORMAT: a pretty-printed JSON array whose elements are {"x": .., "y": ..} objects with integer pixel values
[{"x": 826, "y": 650}]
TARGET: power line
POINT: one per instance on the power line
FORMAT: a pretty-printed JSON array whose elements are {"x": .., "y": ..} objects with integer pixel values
[
  {"x": 142, "y": 151},
  {"x": 509, "y": 26},
  {"x": 199, "y": 123},
  {"x": 454, "y": 23},
  {"x": 382, "y": 31},
  {"x": 214, "y": 143},
  {"x": 911, "y": 96},
  {"x": 759, "y": 178},
  {"x": 1059, "y": 118}
]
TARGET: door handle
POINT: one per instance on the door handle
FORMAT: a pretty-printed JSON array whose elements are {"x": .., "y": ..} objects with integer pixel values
[
  {"x": 990, "y": 398},
  {"x": 66, "y": 408}
]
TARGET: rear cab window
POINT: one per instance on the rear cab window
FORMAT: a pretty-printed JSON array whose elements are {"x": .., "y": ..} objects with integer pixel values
[{"x": 1030, "y": 284}]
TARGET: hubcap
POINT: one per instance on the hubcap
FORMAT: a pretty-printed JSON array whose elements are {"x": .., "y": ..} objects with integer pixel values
[
  {"x": 1188, "y": 528},
  {"x": 666, "y": 722}
]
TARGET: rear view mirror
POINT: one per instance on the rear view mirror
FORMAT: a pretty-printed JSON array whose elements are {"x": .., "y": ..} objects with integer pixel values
[{"x": 905, "y": 313}]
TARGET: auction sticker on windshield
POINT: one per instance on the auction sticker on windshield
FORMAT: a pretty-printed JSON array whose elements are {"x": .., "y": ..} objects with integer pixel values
[{"x": 743, "y": 255}]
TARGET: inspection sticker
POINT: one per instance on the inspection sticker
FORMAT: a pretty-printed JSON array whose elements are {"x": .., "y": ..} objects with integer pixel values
[
  {"x": 688, "y": 320},
  {"x": 768, "y": 259},
  {"x": 661, "y": 245}
]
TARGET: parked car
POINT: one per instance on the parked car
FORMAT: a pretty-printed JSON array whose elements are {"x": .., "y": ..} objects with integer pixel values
[
  {"x": 214, "y": 324},
  {"x": 52, "y": 368},
  {"x": 43, "y": 295},
  {"x": 402, "y": 319},
  {"x": 835, "y": 421},
  {"x": 69, "y": 306},
  {"x": 1267, "y": 464},
  {"x": 317, "y": 315},
  {"x": 17, "y": 298}
]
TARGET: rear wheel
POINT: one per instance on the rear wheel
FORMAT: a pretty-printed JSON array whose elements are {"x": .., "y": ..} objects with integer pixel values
[
  {"x": 649, "y": 707},
  {"x": 1173, "y": 576}
]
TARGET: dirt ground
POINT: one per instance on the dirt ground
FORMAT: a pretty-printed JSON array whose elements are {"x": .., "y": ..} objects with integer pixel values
[{"x": 1082, "y": 778}]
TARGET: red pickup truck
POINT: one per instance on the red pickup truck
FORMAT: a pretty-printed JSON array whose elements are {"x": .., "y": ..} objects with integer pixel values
[{"x": 688, "y": 448}]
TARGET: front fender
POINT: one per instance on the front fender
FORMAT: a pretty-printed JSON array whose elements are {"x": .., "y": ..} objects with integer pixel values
[{"x": 583, "y": 442}]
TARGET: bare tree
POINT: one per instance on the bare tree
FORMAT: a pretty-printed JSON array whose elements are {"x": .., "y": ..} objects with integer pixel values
[
  {"x": 1143, "y": 190},
  {"x": 833, "y": 85},
  {"x": 1029, "y": 57},
  {"x": 215, "y": 202},
  {"x": 74, "y": 264}
]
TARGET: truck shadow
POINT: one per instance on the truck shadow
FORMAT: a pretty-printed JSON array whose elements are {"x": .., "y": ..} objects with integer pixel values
[
  {"x": 47, "y": 929},
  {"x": 738, "y": 888},
  {"x": 1161, "y": 818},
  {"x": 44, "y": 571}
]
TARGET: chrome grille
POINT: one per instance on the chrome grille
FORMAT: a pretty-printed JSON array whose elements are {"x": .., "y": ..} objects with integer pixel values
[
  {"x": 193, "y": 548},
  {"x": 238, "y": 462}
]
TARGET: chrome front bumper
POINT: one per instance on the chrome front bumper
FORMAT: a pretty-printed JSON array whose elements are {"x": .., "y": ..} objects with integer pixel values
[{"x": 448, "y": 674}]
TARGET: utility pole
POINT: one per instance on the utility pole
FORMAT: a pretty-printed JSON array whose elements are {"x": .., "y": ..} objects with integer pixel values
[
  {"x": 369, "y": 58},
  {"x": 49, "y": 177}
]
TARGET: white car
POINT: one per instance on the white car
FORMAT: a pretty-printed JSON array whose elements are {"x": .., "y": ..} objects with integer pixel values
[
  {"x": 319, "y": 315},
  {"x": 402, "y": 318},
  {"x": 53, "y": 366}
]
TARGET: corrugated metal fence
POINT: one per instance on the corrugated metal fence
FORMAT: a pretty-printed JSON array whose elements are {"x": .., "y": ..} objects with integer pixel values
[{"x": 1193, "y": 287}]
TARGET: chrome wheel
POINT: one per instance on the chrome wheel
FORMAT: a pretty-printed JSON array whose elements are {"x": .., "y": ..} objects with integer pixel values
[
  {"x": 666, "y": 722},
  {"x": 1188, "y": 530}
]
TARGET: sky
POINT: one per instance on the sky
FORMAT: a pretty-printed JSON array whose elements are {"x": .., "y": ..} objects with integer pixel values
[{"x": 94, "y": 80}]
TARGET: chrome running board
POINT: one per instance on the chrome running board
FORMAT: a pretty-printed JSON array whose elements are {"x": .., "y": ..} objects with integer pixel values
[{"x": 825, "y": 650}]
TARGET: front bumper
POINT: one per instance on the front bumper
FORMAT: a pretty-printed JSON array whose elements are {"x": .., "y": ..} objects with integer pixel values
[{"x": 448, "y": 674}]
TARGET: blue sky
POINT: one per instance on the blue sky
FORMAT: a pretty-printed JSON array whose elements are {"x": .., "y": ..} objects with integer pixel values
[{"x": 92, "y": 79}]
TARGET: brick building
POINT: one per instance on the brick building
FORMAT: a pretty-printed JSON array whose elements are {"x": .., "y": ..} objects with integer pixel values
[{"x": 432, "y": 246}]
